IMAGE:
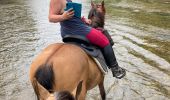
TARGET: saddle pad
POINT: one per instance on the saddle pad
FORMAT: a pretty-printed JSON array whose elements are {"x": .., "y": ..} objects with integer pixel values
[
  {"x": 97, "y": 55},
  {"x": 104, "y": 71},
  {"x": 91, "y": 50}
]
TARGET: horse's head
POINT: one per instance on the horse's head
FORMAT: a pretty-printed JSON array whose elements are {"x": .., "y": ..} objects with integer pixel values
[
  {"x": 44, "y": 94},
  {"x": 97, "y": 14}
]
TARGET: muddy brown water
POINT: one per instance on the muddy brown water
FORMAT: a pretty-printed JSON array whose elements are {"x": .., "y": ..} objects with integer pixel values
[{"x": 142, "y": 46}]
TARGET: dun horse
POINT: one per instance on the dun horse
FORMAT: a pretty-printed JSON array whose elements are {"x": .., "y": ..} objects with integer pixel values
[{"x": 65, "y": 72}]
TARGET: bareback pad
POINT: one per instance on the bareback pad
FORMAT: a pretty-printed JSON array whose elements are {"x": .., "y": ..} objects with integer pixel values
[{"x": 90, "y": 49}]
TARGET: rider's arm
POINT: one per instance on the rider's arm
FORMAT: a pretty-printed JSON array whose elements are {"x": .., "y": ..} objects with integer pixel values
[{"x": 55, "y": 12}]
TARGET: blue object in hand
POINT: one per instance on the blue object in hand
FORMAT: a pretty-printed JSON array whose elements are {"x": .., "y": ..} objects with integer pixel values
[{"x": 76, "y": 7}]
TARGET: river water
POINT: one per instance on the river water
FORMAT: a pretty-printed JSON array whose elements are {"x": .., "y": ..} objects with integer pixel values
[{"x": 140, "y": 29}]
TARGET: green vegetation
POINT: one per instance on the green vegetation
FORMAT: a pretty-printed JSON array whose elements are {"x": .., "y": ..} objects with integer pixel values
[{"x": 149, "y": 12}]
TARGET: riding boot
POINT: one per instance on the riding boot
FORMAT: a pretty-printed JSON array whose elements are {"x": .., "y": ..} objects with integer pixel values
[{"x": 111, "y": 61}]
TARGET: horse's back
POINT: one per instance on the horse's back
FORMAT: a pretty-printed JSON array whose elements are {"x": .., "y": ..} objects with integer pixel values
[
  {"x": 69, "y": 62},
  {"x": 42, "y": 57},
  {"x": 78, "y": 65},
  {"x": 70, "y": 65}
]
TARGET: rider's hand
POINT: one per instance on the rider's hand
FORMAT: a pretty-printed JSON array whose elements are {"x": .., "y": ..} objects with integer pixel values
[
  {"x": 68, "y": 14},
  {"x": 87, "y": 21}
]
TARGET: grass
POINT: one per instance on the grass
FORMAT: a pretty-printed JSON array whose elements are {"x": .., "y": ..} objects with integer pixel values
[{"x": 150, "y": 12}]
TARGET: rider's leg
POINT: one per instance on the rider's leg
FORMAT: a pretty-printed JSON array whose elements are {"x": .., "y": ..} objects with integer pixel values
[{"x": 97, "y": 38}]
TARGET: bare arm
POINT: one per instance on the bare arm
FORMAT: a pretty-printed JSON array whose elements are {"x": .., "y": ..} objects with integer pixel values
[{"x": 55, "y": 12}]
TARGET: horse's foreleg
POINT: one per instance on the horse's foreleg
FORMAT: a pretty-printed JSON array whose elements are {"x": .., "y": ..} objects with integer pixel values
[
  {"x": 102, "y": 90},
  {"x": 83, "y": 93}
]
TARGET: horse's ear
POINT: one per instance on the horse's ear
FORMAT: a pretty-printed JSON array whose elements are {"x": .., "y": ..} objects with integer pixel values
[
  {"x": 43, "y": 93},
  {"x": 92, "y": 4},
  {"x": 76, "y": 92},
  {"x": 103, "y": 7},
  {"x": 102, "y": 3},
  {"x": 79, "y": 88}
]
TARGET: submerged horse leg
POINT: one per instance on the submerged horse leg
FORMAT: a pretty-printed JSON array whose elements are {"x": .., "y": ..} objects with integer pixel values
[{"x": 102, "y": 90}]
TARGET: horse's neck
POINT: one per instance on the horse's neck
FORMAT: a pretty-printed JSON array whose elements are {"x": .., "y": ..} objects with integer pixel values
[{"x": 97, "y": 22}]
